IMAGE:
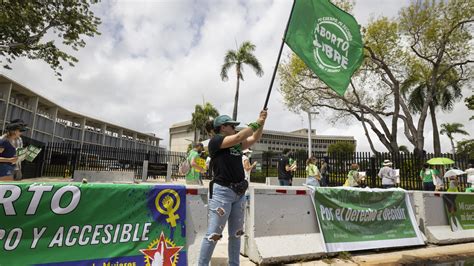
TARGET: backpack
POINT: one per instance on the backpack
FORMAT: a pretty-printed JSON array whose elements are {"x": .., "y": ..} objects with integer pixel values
[{"x": 184, "y": 167}]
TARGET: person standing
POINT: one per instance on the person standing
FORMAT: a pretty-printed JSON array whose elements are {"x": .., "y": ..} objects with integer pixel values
[
  {"x": 246, "y": 163},
  {"x": 325, "y": 172},
  {"x": 18, "y": 144},
  {"x": 286, "y": 169},
  {"x": 470, "y": 177},
  {"x": 427, "y": 177},
  {"x": 193, "y": 177},
  {"x": 8, "y": 158},
  {"x": 227, "y": 189},
  {"x": 312, "y": 173},
  {"x": 387, "y": 174}
]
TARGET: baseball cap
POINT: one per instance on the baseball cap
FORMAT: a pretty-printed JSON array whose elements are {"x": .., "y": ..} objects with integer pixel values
[
  {"x": 16, "y": 124},
  {"x": 224, "y": 119}
]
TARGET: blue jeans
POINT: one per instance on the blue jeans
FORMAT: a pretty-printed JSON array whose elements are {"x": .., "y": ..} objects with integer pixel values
[
  {"x": 224, "y": 206},
  {"x": 284, "y": 182},
  {"x": 324, "y": 180},
  {"x": 312, "y": 181}
]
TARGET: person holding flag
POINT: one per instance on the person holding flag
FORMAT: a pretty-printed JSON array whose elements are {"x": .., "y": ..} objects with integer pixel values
[{"x": 228, "y": 185}]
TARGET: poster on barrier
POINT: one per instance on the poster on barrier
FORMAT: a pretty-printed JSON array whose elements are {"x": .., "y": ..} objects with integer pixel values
[
  {"x": 92, "y": 224},
  {"x": 358, "y": 219},
  {"x": 459, "y": 210}
]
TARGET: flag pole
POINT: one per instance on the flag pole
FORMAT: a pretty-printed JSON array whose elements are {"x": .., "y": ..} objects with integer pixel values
[{"x": 279, "y": 55}]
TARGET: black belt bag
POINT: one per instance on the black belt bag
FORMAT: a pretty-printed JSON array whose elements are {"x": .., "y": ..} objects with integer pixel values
[{"x": 239, "y": 188}]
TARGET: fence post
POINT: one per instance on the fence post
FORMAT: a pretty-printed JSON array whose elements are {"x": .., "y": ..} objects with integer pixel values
[
  {"x": 373, "y": 172},
  {"x": 268, "y": 156},
  {"x": 168, "y": 172},
  {"x": 74, "y": 160},
  {"x": 145, "y": 170}
]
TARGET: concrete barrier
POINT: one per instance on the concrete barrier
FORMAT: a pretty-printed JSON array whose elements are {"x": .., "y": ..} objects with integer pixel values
[
  {"x": 281, "y": 226},
  {"x": 104, "y": 176},
  {"x": 196, "y": 220},
  {"x": 433, "y": 221},
  {"x": 273, "y": 181}
]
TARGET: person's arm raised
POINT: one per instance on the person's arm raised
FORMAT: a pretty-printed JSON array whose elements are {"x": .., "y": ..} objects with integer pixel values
[
  {"x": 235, "y": 139},
  {"x": 257, "y": 127}
]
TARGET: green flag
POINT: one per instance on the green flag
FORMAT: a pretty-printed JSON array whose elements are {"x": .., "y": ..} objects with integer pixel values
[{"x": 328, "y": 40}]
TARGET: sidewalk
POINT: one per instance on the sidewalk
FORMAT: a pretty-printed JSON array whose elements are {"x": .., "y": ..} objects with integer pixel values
[{"x": 408, "y": 256}]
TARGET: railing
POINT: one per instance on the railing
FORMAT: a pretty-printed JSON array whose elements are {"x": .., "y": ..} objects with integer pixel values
[{"x": 340, "y": 163}]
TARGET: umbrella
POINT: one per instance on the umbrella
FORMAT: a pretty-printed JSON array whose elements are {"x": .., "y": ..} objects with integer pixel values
[
  {"x": 454, "y": 172},
  {"x": 440, "y": 161}
]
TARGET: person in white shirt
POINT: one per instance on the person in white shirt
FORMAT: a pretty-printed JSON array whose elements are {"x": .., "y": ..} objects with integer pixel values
[
  {"x": 246, "y": 162},
  {"x": 387, "y": 174}
]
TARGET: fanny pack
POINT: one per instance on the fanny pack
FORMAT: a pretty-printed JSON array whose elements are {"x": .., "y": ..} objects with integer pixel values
[{"x": 239, "y": 188}]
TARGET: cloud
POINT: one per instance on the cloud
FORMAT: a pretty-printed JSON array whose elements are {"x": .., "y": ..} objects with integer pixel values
[{"x": 155, "y": 60}]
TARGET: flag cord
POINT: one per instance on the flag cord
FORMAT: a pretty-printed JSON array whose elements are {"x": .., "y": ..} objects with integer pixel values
[{"x": 278, "y": 59}]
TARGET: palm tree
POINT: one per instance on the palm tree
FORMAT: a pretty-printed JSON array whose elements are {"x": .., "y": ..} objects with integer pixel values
[
  {"x": 448, "y": 92},
  {"x": 202, "y": 113},
  {"x": 450, "y": 129},
  {"x": 243, "y": 56}
]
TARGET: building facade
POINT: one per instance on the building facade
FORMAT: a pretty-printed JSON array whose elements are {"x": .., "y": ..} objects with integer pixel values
[
  {"x": 276, "y": 141},
  {"x": 49, "y": 122}
]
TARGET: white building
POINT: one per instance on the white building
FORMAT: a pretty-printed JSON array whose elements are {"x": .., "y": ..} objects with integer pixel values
[
  {"x": 49, "y": 122},
  {"x": 181, "y": 136}
]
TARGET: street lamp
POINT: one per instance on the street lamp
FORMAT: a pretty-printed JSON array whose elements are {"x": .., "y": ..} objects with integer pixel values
[{"x": 310, "y": 153}]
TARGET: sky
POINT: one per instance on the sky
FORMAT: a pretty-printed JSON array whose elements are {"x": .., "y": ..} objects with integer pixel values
[{"x": 155, "y": 60}]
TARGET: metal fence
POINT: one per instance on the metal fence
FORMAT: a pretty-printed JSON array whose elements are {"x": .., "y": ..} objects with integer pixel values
[
  {"x": 62, "y": 159},
  {"x": 340, "y": 163}
]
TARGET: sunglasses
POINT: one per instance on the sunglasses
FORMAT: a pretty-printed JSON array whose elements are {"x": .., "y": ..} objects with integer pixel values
[{"x": 231, "y": 125}]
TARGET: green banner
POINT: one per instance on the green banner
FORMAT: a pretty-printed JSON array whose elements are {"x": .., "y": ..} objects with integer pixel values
[
  {"x": 328, "y": 40},
  {"x": 92, "y": 224},
  {"x": 358, "y": 219},
  {"x": 459, "y": 210}
]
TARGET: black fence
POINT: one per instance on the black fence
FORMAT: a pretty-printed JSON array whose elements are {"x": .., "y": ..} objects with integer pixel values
[
  {"x": 62, "y": 159},
  {"x": 340, "y": 163}
]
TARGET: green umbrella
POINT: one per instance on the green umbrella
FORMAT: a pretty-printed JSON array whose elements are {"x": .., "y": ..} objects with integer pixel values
[{"x": 440, "y": 161}]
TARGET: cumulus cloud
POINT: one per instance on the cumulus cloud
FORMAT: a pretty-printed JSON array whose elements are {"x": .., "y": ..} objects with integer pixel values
[{"x": 155, "y": 60}]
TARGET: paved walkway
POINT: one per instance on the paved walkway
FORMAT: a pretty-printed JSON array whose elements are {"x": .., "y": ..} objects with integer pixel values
[{"x": 400, "y": 257}]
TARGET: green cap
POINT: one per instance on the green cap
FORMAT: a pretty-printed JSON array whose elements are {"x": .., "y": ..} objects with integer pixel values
[{"x": 224, "y": 119}]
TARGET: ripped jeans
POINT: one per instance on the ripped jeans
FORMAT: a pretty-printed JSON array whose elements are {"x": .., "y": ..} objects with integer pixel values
[{"x": 224, "y": 205}]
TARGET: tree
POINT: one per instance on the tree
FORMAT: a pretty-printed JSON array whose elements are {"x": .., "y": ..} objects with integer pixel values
[
  {"x": 341, "y": 147},
  {"x": 447, "y": 93},
  {"x": 26, "y": 28},
  {"x": 450, "y": 129},
  {"x": 466, "y": 148},
  {"x": 470, "y": 104},
  {"x": 243, "y": 56},
  {"x": 201, "y": 114}
]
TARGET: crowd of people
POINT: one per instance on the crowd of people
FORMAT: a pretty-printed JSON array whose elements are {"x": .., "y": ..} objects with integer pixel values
[{"x": 433, "y": 177}]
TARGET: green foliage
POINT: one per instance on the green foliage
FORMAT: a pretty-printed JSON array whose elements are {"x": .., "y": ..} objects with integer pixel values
[
  {"x": 466, "y": 148},
  {"x": 24, "y": 26},
  {"x": 403, "y": 148},
  {"x": 450, "y": 129},
  {"x": 243, "y": 56},
  {"x": 202, "y": 114},
  {"x": 238, "y": 58},
  {"x": 341, "y": 147},
  {"x": 470, "y": 104}
]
